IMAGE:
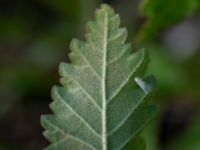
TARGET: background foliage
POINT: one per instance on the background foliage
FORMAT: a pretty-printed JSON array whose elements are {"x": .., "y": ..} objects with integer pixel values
[{"x": 34, "y": 39}]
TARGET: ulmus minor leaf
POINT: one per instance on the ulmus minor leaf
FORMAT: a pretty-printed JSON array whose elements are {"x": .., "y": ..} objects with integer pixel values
[{"x": 101, "y": 104}]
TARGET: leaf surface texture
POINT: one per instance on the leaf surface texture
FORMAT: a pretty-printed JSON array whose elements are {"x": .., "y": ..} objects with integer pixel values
[{"x": 102, "y": 102}]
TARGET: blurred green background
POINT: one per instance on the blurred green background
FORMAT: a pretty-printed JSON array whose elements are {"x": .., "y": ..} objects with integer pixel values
[{"x": 35, "y": 37}]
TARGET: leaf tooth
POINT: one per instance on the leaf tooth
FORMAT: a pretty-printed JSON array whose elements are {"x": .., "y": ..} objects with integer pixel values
[
  {"x": 82, "y": 50},
  {"x": 119, "y": 36},
  {"x": 69, "y": 71},
  {"x": 76, "y": 59},
  {"x": 147, "y": 85},
  {"x": 150, "y": 110},
  {"x": 100, "y": 13},
  {"x": 62, "y": 69},
  {"x": 134, "y": 124},
  {"x": 120, "y": 52},
  {"x": 94, "y": 42},
  {"x": 93, "y": 28},
  {"x": 117, "y": 39},
  {"x": 134, "y": 61},
  {"x": 70, "y": 142},
  {"x": 51, "y": 133},
  {"x": 114, "y": 22},
  {"x": 68, "y": 83},
  {"x": 49, "y": 122},
  {"x": 140, "y": 102},
  {"x": 71, "y": 101},
  {"x": 54, "y": 135},
  {"x": 150, "y": 83},
  {"x": 59, "y": 110},
  {"x": 107, "y": 9}
]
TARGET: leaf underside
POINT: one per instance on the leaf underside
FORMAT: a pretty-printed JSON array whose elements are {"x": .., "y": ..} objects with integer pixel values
[{"x": 102, "y": 102}]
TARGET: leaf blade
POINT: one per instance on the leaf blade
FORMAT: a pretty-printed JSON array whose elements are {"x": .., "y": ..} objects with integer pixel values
[{"x": 100, "y": 103}]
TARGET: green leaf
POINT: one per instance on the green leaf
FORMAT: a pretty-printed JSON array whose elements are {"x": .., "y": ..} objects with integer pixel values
[
  {"x": 135, "y": 144},
  {"x": 161, "y": 14},
  {"x": 102, "y": 104}
]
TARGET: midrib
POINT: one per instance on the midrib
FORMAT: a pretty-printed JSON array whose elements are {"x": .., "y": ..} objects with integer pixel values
[{"x": 104, "y": 126}]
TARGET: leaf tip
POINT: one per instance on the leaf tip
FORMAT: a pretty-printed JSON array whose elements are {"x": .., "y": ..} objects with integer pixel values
[
  {"x": 147, "y": 85},
  {"x": 61, "y": 69},
  {"x": 106, "y": 7}
]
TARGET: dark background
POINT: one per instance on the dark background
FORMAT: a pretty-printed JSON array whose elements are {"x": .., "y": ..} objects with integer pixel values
[{"x": 35, "y": 37}]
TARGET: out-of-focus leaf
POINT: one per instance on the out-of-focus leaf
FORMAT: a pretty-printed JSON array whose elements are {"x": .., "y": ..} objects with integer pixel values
[
  {"x": 193, "y": 72},
  {"x": 150, "y": 135},
  {"x": 163, "y": 13},
  {"x": 8, "y": 97},
  {"x": 136, "y": 144},
  {"x": 170, "y": 75},
  {"x": 102, "y": 104},
  {"x": 190, "y": 139}
]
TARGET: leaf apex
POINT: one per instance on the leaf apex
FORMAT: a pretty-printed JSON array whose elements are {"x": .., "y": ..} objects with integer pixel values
[
  {"x": 147, "y": 84},
  {"x": 106, "y": 7}
]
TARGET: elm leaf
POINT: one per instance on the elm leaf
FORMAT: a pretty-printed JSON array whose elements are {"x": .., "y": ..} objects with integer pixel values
[{"x": 102, "y": 101}]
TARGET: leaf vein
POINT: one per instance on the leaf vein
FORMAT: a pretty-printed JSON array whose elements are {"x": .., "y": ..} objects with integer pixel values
[
  {"x": 78, "y": 115},
  {"x": 134, "y": 134},
  {"x": 67, "y": 135},
  {"x": 124, "y": 83},
  {"x": 126, "y": 117},
  {"x": 86, "y": 93},
  {"x": 88, "y": 62},
  {"x": 115, "y": 59}
]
